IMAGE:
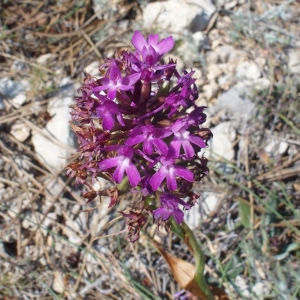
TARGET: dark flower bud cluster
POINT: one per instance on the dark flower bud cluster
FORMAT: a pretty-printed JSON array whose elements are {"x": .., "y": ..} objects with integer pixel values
[{"x": 138, "y": 126}]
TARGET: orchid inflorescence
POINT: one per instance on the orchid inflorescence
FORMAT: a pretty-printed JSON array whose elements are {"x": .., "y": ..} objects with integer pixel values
[{"x": 139, "y": 127}]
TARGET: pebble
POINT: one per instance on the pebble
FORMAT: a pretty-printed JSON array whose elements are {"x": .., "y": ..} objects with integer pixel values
[
  {"x": 221, "y": 145},
  {"x": 20, "y": 131},
  {"x": 193, "y": 17},
  {"x": 294, "y": 61},
  {"x": 55, "y": 154}
]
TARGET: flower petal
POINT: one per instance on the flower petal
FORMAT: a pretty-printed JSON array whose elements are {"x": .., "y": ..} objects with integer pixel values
[
  {"x": 184, "y": 173},
  {"x": 138, "y": 40},
  {"x": 157, "y": 178},
  {"x": 109, "y": 163},
  {"x": 133, "y": 175}
]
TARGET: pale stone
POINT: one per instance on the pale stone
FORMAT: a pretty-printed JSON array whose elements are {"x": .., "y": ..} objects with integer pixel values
[
  {"x": 55, "y": 154},
  {"x": 14, "y": 90},
  {"x": 214, "y": 71},
  {"x": 44, "y": 58},
  {"x": 20, "y": 131},
  {"x": 71, "y": 230},
  {"x": 212, "y": 58},
  {"x": 93, "y": 69},
  {"x": 210, "y": 90},
  {"x": 164, "y": 15},
  {"x": 261, "y": 289},
  {"x": 221, "y": 145},
  {"x": 58, "y": 283},
  {"x": 210, "y": 202},
  {"x": 248, "y": 70},
  {"x": 242, "y": 285},
  {"x": 199, "y": 39},
  {"x": 275, "y": 146},
  {"x": 294, "y": 61},
  {"x": 236, "y": 101}
]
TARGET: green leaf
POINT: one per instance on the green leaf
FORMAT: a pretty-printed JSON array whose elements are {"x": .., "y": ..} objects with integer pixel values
[{"x": 245, "y": 213}]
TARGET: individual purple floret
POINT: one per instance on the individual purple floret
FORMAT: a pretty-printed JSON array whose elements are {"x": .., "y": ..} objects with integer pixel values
[
  {"x": 139, "y": 127},
  {"x": 170, "y": 171},
  {"x": 169, "y": 207}
]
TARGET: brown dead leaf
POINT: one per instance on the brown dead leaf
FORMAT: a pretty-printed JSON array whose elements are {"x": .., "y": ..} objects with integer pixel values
[{"x": 183, "y": 272}]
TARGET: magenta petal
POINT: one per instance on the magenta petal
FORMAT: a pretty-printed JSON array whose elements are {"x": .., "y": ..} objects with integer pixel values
[
  {"x": 108, "y": 122},
  {"x": 157, "y": 179},
  {"x": 184, "y": 173},
  {"x": 153, "y": 39},
  {"x": 161, "y": 146},
  {"x": 148, "y": 149},
  {"x": 138, "y": 40},
  {"x": 166, "y": 45},
  {"x": 188, "y": 149},
  {"x": 115, "y": 74},
  {"x": 133, "y": 175},
  {"x": 174, "y": 149},
  {"x": 111, "y": 94},
  {"x": 119, "y": 173},
  {"x": 162, "y": 213},
  {"x": 132, "y": 79},
  {"x": 108, "y": 163},
  {"x": 132, "y": 141},
  {"x": 178, "y": 216},
  {"x": 171, "y": 182},
  {"x": 197, "y": 141}
]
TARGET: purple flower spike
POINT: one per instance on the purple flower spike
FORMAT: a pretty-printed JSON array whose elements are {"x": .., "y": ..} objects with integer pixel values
[
  {"x": 169, "y": 171},
  {"x": 169, "y": 207},
  {"x": 139, "y": 121},
  {"x": 123, "y": 164},
  {"x": 151, "y": 49}
]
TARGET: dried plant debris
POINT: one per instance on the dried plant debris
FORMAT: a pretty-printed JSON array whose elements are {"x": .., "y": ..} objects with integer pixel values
[{"x": 54, "y": 246}]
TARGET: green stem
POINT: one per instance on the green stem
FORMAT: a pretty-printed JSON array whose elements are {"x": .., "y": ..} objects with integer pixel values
[{"x": 185, "y": 233}]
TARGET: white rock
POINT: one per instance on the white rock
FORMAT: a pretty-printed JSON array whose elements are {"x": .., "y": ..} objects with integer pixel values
[
  {"x": 294, "y": 61},
  {"x": 224, "y": 52},
  {"x": 236, "y": 101},
  {"x": 71, "y": 230},
  {"x": 93, "y": 69},
  {"x": 44, "y": 58},
  {"x": 261, "y": 84},
  {"x": 275, "y": 146},
  {"x": 210, "y": 202},
  {"x": 261, "y": 289},
  {"x": 199, "y": 39},
  {"x": 212, "y": 58},
  {"x": 18, "y": 65},
  {"x": 15, "y": 90},
  {"x": 242, "y": 285},
  {"x": 221, "y": 145},
  {"x": 231, "y": 4},
  {"x": 214, "y": 71},
  {"x": 58, "y": 283},
  {"x": 199, "y": 77},
  {"x": 20, "y": 131},
  {"x": 55, "y": 154},
  {"x": 210, "y": 90},
  {"x": 248, "y": 70},
  {"x": 194, "y": 16}
]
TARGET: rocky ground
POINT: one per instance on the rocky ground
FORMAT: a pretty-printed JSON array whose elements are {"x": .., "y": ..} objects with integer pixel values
[{"x": 246, "y": 59}]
